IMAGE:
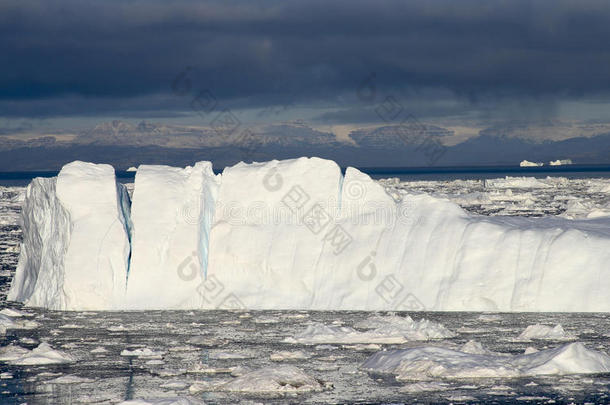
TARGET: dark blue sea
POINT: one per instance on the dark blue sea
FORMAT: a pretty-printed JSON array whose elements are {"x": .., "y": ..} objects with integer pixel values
[{"x": 404, "y": 173}]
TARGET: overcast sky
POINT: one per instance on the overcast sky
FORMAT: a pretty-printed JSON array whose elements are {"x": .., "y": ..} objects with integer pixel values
[{"x": 478, "y": 62}]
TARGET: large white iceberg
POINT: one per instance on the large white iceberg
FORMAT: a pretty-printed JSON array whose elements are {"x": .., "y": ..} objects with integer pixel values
[{"x": 293, "y": 234}]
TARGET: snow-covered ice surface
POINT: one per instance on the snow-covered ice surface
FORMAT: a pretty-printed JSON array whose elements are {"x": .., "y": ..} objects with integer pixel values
[{"x": 172, "y": 351}]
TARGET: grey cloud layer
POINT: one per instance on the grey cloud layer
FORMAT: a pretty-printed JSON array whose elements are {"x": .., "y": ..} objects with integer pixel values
[{"x": 252, "y": 53}]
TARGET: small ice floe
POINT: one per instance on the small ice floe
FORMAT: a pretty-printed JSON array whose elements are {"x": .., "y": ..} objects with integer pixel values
[
  {"x": 28, "y": 341},
  {"x": 517, "y": 182},
  {"x": 99, "y": 350},
  {"x": 7, "y": 322},
  {"x": 326, "y": 347},
  {"x": 266, "y": 319},
  {"x": 286, "y": 355},
  {"x": 207, "y": 341},
  {"x": 460, "y": 398},
  {"x": 231, "y": 322},
  {"x": 69, "y": 379},
  {"x": 14, "y": 313},
  {"x": 371, "y": 347},
  {"x": 489, "y": 318},
  {"x": 235, "y": 371},
  {"x": 143, "y": 352},
  {"x": 424, "y": 387},
  {"x": 116, "y": 328},
  {"x": 237, "y": 355},
  {"x": 164, "y": 401},
  {"x": 326, "y": 367},
  {"x": 539, "y": 331},
  {"x": 5, "y": 376},
  {"x": 272, "y": 381},
  {"x": 70, "y": 326},
  {"x": 390, "y": 329},
  {"x": 183, "y": 348},
  {"x": 43, "y": 354},
  {"x": 428, "y": 362},
  {"x": 174, "y": 385}
]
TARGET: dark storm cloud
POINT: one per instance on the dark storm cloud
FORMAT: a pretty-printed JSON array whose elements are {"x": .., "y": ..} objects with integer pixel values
[{"x": 251, "y": 53}]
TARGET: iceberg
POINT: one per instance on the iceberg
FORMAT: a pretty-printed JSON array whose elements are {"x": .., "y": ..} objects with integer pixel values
[
  {"x": 527, "y": 163},
  {"x": 560, "y": 162},
  {"x": 293, "y": 234}
]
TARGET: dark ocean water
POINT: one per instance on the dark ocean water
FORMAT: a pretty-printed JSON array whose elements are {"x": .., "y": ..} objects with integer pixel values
[{"x": 404, "y": 173}]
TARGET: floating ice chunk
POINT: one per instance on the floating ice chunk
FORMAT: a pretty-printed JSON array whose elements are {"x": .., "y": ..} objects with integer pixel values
[
  {"x": 164, "y": 401},
  {"x": 12, "y": 352},
  {"x": 171, "y": 215},
  {"x": 517, "y": 182},
  {"x": 387, "y": 330},
  {"x": 489, "y": 318},
  {"x": 527, "y": 163},
  {"x": 175, "y": 385},
  {"x": 99, "y": 350},
  {"x": 14, "y": 313},
  {"x": 474, "y": 347},
  {"x": 266, "y": 319},
  {"x": 371, "y": 347},
  {"x": 539, "y": 331},
  {"x": 423, "y": 329},
  {"x": 143, "y": 352},
  {"x": 286, "y": 355},
  {"x": 43, "y": 354},
  {"x": 6, "y": 322},
  {"x": 436, "y": 362},
  {"x": 222, "y": 355},
  {"x": 424, "y": 387},
  {"x": 69, "y": 379},
  {"x": 279, "y": 380},
  {"x": 204, "y": 369}
]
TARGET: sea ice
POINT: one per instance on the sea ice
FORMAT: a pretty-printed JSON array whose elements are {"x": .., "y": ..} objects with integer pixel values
[
  {"x": 382, "y": 330},
  {"x": 69, "y": 379},
  {"x": 289, "y": 356},
  {"x": 164, "y": 401},
  {"x": 276, "y": 380},
  {"x": 41, "y": 355},
  {"x": 539, "y": 331},
  {"x": 428, "y": 362}
]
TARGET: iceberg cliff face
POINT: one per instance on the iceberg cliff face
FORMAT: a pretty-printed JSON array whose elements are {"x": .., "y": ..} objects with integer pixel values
[
  {"x": 293, "y": 234},
  {"x": 171, "y": 212},
  {"x": 76, "y": 245}
]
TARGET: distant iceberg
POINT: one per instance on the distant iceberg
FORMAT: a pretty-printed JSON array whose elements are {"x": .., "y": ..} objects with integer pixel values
[
  {"x": 132, "y": 169},
  {"x": 527, "y": 163},
  {"x": 560, "y": 162},
  {"x": 292, "y": 234}
]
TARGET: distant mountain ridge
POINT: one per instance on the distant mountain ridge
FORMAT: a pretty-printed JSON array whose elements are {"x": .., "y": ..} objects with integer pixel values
[{"x": 124, "y": 144}]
